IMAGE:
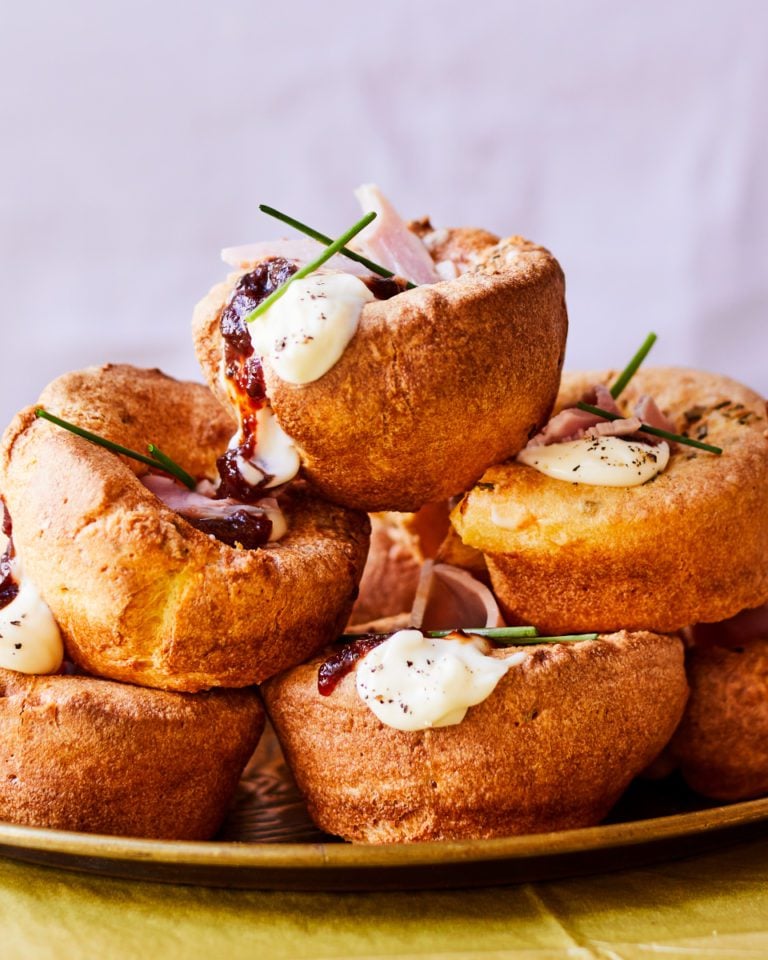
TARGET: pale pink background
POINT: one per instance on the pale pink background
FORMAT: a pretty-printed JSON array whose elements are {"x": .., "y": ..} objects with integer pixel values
[{"x": 136, "y": 139}]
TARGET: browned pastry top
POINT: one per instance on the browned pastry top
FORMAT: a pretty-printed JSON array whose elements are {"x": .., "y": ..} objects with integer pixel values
[
  {"x": 438, "y": 382},
  {"x": 689, "y": 546},
  {"x": 80, "y": 753},
  {"x": 140, "y": 594},
  {"x": 552, "y": 747}
]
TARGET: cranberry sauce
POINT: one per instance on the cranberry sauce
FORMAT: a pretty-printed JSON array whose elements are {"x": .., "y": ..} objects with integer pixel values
[
  {"x": 8, "y": 587},
  {"x": 243, "y": 369},
  {"x": 384, "y": 288},
  {"x": 248, "y": 529},
  {"x": 338, "y": 665}
]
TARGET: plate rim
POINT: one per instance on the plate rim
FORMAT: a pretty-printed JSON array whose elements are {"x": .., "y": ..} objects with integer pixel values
[{"x": 321, "y": 855}]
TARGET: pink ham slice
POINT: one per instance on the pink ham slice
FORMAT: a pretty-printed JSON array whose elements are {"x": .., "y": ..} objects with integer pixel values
[
  {"x": 648, "y": 413},
  {"x": 573, "y": 424},
  {"x": 194, "y": 505},
  {"x": 388, "y": 240},
  {"x": 449, "y": 598},
  {"x": 300, "y": 251}
]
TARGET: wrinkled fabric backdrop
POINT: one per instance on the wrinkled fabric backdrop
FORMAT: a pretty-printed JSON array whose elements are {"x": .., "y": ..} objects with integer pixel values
[{"x": 137, "y": 139}]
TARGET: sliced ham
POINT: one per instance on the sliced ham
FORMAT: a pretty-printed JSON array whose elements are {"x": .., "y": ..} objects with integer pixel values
[
  {"x": 573, "y": 423},
  {"x": 196, "y": 505},
  {"x": 448, "y": 598},
  {"x": 648, "y": 413},
  {"x": 614, "y": 428},
  {"x": 388, "y": 240},
  {"x": 299, "y": 250}
]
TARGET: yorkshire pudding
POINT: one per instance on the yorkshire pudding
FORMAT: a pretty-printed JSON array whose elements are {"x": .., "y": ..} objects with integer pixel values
[
  {"x": 81, "y": 753},
  {"x": 436, "y": 384},
  {"x": 552, "y": 747},
  {"x": 141, "y": 595},
  {"x": 688, "y": 547},
  {"x": 722, "y": 741}
]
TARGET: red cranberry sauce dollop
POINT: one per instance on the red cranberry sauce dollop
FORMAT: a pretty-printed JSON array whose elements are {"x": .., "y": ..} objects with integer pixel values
[
  {"x": 248, "y": 529},
  {"x": 9, "y": 589},
  {"x": 243, "y": 369},
  {"x": 384, "y": 288},
  {"x": 331, "y": 672}
]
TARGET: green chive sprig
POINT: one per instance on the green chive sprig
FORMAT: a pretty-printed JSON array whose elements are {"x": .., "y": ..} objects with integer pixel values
[
  {"x": 322, "y": 238},
  {"x": 631, "y": 368},
  {"x": 329, "y": 251},
  {"x": 644, "y": 428},
  {"x": 158, "y": 459},
  {"x": 506, "y": 636}
]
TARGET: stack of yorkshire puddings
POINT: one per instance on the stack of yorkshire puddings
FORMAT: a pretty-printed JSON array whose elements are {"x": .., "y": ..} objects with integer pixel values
[{"x": 572, "y": 584}]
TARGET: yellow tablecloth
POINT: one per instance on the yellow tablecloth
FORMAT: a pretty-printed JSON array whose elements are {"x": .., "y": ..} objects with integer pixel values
[{"x": 713, "y": 906}]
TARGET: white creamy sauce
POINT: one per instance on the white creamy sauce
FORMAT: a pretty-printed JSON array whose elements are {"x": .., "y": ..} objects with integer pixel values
[
  {"x": 30, "y": 640},
  {"x": 600, "y": 461},
  {"x": 413, "y": 682},
  {"x": 307, "y": 330},
  {"x": 276, "y": 453}
]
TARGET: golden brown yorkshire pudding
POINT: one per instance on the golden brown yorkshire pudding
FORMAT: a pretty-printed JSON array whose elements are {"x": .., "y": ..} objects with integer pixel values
[
  {"x": 722, "y": 741},
  {"x": 140, "y": 594},
  {"x": 688, "y": 547},
  {"x": 552, "y": 747},
  {"x": 81, "y": 753},
  {"x": 436, "y": 384}
]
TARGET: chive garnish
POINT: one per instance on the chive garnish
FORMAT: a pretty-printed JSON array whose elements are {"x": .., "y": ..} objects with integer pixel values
[
  {"x": 631, "y": 368},
  {"x": 171, "y": 466},
  {"x": 493, "y": 633},
  {"x": 506, "y": 636},
  {"x": 329, "y": 251},
  {"x": 644, "y": 428},
  {"x": 158, "y": 460},
  {"x": 322, "y": 238}
]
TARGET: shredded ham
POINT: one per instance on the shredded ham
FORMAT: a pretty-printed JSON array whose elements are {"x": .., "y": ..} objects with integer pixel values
[
  {"x": 299, "y": 250},
  {"x": 574, "y": 424},
  {"x": 450, "y": 598},
  {"x": 649, "y": 414},
  {"x": 389, "y": 242},
  {"x": 199, "y": 505}
]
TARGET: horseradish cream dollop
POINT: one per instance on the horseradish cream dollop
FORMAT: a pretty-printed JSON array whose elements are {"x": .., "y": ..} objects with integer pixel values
[
  {"x": 600, "y": 461},
  {"x": 30, "y": 639},
  {"x": 307, "y": 330},
  {"x": 413, "y": 682},
  {"x": 276, "y": 455}
]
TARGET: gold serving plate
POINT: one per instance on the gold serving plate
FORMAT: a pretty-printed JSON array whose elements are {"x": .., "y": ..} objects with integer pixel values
[{"x": 268, "y": 842}]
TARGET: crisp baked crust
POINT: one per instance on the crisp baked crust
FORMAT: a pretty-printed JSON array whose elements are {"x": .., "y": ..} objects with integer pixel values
[
  {"x": 438, "y": 383},
  {"x": 79, "y": 753},
  {"x": 722, "y": 741},
  {"x": 553, "y": 747},
  {"x": 140, "y": 594},
  {"x": 691, "y": 546}
]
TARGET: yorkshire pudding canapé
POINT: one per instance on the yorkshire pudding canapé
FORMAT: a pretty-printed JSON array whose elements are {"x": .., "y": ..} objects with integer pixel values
[
  {"x": 82, "y": 753},
  {"x": 721, "y": 744},
  {"x": 553, "y": 746},
  {"x": 139, "y": 593},
  {"x": 689, "y": 546},
  {"x": 437, "y": 382}
]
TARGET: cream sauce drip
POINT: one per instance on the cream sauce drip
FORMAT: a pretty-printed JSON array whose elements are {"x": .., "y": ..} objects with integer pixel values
[
  {"x": 599, "y": 461},
  {"x": 30, "y": 639},
  {"x": 413, "y": 682}
]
